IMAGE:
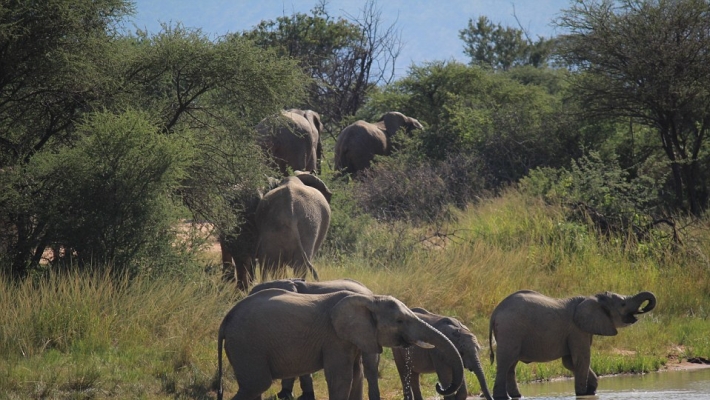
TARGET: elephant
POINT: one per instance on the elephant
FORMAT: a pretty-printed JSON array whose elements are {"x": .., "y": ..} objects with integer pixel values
[
  {"x": 426, "y": 361},
  {"x": 531, "y": 327},
  {"x": 359, "y": 142},
  {"x": 370, "y": 361},
  {"x": 292, "y": 139},
  {"x": 320, "y": 331},
  {"x": 292, "y": 221},
  {"x": 284, "y": 224}
]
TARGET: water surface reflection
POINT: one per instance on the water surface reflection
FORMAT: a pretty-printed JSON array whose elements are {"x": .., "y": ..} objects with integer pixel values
[{"x": 668, "y": 385}]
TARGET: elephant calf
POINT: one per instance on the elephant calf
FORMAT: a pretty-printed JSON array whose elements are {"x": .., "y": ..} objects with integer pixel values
[
  {"x": 531, "y": 327},
  {"x": 425, "y": 361}
]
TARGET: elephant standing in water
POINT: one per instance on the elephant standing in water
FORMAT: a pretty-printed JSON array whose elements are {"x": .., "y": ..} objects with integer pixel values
[
  {"x": 370, "y": 361},
  {"x": 292, "y": 139},
  {"x": 531, "y": 327},
  {"x": 359, "y": 142},
  {"x": 426, "y": 361},
  {"x": 284, "y": 226},
  {"x": 276, "y": 334}
]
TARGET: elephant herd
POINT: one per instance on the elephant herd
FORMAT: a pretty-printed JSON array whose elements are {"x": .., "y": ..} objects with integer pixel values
[
  {"x": 289, "y": 328},
  {"x": 286, "y": 222}
]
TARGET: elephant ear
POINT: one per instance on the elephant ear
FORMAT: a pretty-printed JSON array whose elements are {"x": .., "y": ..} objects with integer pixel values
[
  {"x": 392, "y": 121},
  {"x": 353, "y": 322},
  {"x": 315, "y": 182},
  {"x": 592, "y": 316},
  {"x": 314, "y": 118}
]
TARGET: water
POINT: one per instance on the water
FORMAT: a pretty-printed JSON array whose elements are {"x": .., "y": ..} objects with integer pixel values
[{"x": 668, "y": 385}]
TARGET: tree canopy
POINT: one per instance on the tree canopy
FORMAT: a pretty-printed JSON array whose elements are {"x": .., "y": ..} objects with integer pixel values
[{"x": 648, "y": 62}]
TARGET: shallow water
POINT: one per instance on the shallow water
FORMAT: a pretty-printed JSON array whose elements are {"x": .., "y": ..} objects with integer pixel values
[{"x": 668, "y": 385}]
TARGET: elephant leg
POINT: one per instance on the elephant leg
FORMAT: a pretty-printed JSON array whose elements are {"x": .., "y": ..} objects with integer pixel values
[
  {"x": 338, "y": 371},
  {"x": 370, "y": 364},
  {"x": 306, "y": 382},
  {"x": 462, "y": 393},
  {"x": 356, "y": 387},
  {"x": 415, "y": 388},
  {"x": 501, "y": 384},
  {"x": 512, "y": 383},
  {"x": 585, "y": 380},
  {"x": 286, "y": 389}
]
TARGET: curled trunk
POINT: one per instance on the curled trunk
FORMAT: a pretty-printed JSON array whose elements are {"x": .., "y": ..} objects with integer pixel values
[{"x": 450, "y": 354}]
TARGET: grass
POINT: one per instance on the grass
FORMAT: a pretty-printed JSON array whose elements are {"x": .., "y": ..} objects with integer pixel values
[{"x": 85, "y": 336}]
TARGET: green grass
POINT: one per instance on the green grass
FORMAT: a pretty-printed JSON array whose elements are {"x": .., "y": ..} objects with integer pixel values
[{"x": 87, "y": 336}]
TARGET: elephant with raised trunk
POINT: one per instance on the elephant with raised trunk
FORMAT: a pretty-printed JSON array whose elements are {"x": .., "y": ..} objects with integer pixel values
[
  {"x": 531, "y": 327},
  {"x": 413, "y": 361},
  {"x": 361, "y": 141},
  {"x": 320, "y": 331},
  {"x": 292, "y": 139},
  {"x": 370, "y": 361},
  {"x": 283, "y": 226}
]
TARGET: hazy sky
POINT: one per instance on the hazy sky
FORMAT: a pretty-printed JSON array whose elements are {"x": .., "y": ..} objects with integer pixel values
[{"x": 429, "y": 28}]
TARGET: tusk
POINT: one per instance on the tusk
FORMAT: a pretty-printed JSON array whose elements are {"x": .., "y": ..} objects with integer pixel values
[{"x": 424, "y": 345}]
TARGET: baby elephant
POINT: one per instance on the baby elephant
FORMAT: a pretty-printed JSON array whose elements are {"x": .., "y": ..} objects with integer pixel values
[
  {"x": 425, "y": 361},
  {"x": 531, "y": 327},
  {"x": 370, "y": 361}
]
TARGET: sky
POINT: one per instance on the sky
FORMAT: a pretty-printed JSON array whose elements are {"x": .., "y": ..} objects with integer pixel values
[{"x": 429, "y": 29}]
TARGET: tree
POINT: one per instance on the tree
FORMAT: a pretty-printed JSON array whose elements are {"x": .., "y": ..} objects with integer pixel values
[
  {"x": 648, "y": 62},
  {"x": 67, "y": 77},
  {"x": 345, "y": 57},
  {"x": 500, "y": 48}
]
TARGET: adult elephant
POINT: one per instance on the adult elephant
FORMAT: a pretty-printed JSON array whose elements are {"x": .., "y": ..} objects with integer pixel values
[
  {"x": 292, "y": 221},
  {"x": 412, "y": 362},
  {"x": 292, "y": 139},
  {"x": 361, "y": 141},
  {"x": 531, "y": 327},
  {"x": 284, "y": 224},
  {"x": 370, "y": 361},
  {"x": 320, "y": 331}
]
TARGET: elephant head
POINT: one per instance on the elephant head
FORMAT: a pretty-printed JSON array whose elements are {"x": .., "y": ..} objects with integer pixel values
[
  {"x": 603, "y": 313},
  {"x": 393, "y": 121},
  {"x": 371, "y": 322}
]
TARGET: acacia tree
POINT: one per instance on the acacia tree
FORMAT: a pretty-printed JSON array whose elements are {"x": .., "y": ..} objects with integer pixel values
[
  {"x": 500, "y": 48},
  {"x": 345, "y": 57},
  {"x": 648, "y": 61}
]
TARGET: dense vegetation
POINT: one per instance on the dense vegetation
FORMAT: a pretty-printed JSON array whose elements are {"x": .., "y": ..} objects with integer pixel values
[{"x": 541, "y": 163}]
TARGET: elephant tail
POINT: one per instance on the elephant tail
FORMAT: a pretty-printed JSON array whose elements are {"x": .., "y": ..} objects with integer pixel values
[
  {"x": 220, "y": 340},
  {"x": 490, "y": 340}
]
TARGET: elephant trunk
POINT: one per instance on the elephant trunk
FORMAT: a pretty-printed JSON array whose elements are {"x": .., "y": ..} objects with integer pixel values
[
  {"x": 640, "y": 298},
  {"x": 477, "y": 370},
  {"x": 449, "y": 353}
]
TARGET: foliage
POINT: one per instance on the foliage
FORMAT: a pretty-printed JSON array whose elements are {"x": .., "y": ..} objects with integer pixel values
[
  {"x": 109, "y": 203},
  {"x": 648, "y": 61},
  {"x": 501, "y": 48},
  {"x": 200, "y": 94},
  {"x": 345, "y": 58},
  {"x": 598, "y": 190},
  {"x": 511, "y": 127}
]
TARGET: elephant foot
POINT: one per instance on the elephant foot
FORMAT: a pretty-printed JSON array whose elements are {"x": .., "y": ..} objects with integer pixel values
[
  {"x": 307, "y": 396},
  {"x": 284, "y": 394}
]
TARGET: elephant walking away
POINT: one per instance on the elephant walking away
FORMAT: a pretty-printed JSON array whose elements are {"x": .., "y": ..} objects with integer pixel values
[
  {"x": 370, "y": 361},
  {"x": 292, "y": 139},
  {"x": 531, "y": 327},
  {"x": 285, "y": 225},
  {"x": 359, "y": 142},
  {"x": 292, "y": 221},
  {"x": 320, "y": 331},
  {"x": 423, "y": 361}
]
